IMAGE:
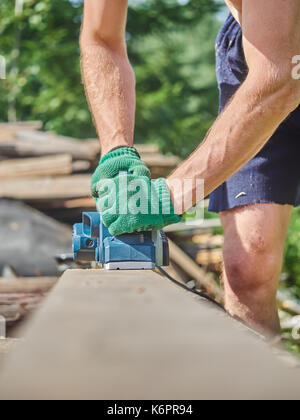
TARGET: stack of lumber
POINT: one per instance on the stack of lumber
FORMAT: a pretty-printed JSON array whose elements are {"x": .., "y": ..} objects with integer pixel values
[
  {"x": 19, "y": 296},
  {"x": 202, "y": 245},
  {"x": 52, "y": 173}
]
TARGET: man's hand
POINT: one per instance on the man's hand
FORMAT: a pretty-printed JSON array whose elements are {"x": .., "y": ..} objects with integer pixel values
[
  {"x": 123, "y": 159},
  {"x": 130, "y": 203}
]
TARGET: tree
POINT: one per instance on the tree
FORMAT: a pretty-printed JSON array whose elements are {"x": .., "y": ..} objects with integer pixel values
[
  {"x": 177, "y": 97},
  {"x": 171, "y": 47},
  {"x": 48, "y": 83}
]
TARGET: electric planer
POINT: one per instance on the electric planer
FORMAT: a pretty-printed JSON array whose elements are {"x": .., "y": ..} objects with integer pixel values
[{"x": 135, "y": 251}]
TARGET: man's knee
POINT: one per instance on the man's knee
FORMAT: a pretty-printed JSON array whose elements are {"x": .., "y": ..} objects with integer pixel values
[
  {"x": 253, "y": 250},
  {"x": 252, "y": 270}
]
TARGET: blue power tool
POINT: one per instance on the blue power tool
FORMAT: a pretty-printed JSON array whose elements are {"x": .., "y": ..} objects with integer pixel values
[{"x": 135, "y": 251}]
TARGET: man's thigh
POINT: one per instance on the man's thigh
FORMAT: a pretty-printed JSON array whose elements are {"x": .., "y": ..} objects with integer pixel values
[{"x": 256, "y": 229}]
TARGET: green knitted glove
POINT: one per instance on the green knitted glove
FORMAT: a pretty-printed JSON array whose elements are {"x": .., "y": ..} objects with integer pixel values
[
  {"x": 134, "y": 204},
  {"x": 123, "y": 159}
]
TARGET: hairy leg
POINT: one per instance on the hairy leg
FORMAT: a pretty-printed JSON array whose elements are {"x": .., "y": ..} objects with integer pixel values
[{"x": 253, "y": 256}]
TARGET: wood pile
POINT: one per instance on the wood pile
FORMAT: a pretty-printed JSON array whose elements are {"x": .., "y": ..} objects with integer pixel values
[
  {"x": 52, "y": 173},
  {"x": 196, "y": 256},
  {"x": 19, "y": 296}
]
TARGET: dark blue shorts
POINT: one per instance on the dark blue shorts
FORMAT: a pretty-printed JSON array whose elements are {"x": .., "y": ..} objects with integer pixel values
[{"x": 273, "y": 176}]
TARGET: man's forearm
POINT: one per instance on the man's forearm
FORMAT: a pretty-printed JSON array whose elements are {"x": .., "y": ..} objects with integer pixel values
[
  {"x": 110, "y": 88},
  {"x": 237, "y": 136},
  {"x": 266, "y": 98},
  {"x": 107, "y": 74}
]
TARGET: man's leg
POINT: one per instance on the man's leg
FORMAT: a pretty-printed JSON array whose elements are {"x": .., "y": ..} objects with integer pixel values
[{"x": 253, "y": 256}]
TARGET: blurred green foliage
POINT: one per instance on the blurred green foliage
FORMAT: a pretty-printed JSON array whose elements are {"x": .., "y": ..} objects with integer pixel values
[
  {"x": 292, "y": 256},
  {"x": 47, "y": 85},
  {"x": 171, "y": 46},
  {"x": 176, "y": 86}
]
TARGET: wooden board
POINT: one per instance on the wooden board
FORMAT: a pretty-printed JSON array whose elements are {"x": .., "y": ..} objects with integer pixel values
[
  {"x": 160, "y": 165},
  {"x": 25, "y": 143},
  {"x": 160, "y": 161},
  {"x": 66, "y": 187},
  {"x": 206, "y": 224},
  {"x": 27, "y": 285},
  {"x": 47, "y": 188},
  {"x": 6, "y": 346},
  {"x": 135, "y": 335},
  {"x": 20, "y": 296},
  {"x": 202, "y": 278},
  {"x": 36, "y": 167},
  {"x": 142, "y": 148},
  {"x": 14, "y": 307},
  {"x": 36, "y": 143},
  {"x": 21, "y": 125},
  {"x": 85, "y": 202}
]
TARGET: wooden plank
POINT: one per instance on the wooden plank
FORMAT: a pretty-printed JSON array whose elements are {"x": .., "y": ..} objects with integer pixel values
[
  {"x": 21, "y": 125},
  {"x": 79, "y": 203},
  {"x": 287, "y": 303},
  {"x": 159, "y": 164},
  {"x": 27, "y": 285},
  {"x": 36, "y": 167},
  {"x": 67, "y": 187},
  {"x": 14, "y": 307},
  {"x": 142, "y": 148},
  {"x": 135, "y": 335},
  {"x": 197, "y": 224},
  {"x": 202, "y": 278},
  {"x": 160, "y": 161},
  {"x": 6, "y": 346},
  {"x": 36, "y": 143},
  {"x": 76, "y": 186},
  {"x": 10, "y": 311},
  {"x": 20, "y": 296},
  {"x": 81, "y": 166}
]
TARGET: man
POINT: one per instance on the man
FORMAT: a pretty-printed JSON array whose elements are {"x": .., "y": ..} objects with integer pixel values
[{"x": 250, "y": 157}]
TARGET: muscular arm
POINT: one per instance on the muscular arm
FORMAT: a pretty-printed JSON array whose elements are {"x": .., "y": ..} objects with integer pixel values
[
  {"x": 236, "y": 9},
  {"x": 271, "y": 38},
  {"x": 107, "y": 75}
]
